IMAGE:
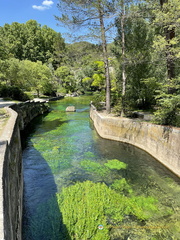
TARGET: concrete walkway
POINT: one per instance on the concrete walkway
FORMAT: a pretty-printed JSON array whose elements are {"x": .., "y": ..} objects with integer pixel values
[
  {"x": 4, "y": 103},
  {"x": 3, "y": 113}
]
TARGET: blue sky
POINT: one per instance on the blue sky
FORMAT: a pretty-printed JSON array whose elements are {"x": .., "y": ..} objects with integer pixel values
[
  {"x": 21, "y": 11},
  {"x": 42, "y": 11}
]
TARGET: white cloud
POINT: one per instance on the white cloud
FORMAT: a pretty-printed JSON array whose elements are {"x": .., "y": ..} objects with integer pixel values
[
  {"x": 46, "y": 4},
  {"x": 41, "y": 8}
]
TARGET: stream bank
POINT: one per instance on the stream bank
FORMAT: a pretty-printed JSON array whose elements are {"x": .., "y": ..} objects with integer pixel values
[
  {"x": 162, "y": 142},
  {"x": 11, "y": 171}
]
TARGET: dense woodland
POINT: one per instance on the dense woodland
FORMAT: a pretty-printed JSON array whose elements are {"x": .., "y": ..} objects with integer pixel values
[{"x": 142, "y": 59}]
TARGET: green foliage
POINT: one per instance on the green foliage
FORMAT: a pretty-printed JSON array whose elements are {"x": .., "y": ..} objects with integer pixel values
[
  {"x": 115, "y": 164},
  {"x": 98, "y": 80},
  {"x": 28, "y": 55},
  {"x": 86, "y": 83},
  {"x": 98, "y": 98},
  {"x": 167, "y": 24},
  {"x": 31, "y": 41},
  {"x": 66, "y": 78},
  {"x": 13, "y": 93},
  {"x": 168, "y": 112},
  {"x": 81, "y": 54},
  {"x": 40, "y": 77},
  {"x": 27, "y": 75},
  {"x": 86, "y": 205},
  {"x": 141, "y": 81}
]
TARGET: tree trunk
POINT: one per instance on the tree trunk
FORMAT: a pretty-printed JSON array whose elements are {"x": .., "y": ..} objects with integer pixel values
[
  {"x": 37, "y": 92},
  {"x": 170, "y": 34},
  {"x": 106, "y": 62},
  {"x": 123, "y": 60}
]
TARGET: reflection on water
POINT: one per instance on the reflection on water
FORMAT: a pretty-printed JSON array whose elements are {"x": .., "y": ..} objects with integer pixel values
[{"x": 55, "y": 150}]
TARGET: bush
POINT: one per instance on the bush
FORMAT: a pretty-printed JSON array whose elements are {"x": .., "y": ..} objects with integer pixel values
[
  {"x": 98, "y": 98},
  {"x": 13, "y": 93},
  {"x": 167, "y": 114},
  {"x": 30, "y": 95}
]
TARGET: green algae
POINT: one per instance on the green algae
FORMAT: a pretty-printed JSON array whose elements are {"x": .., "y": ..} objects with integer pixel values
[
  {"x": 89, "y": 155},
  {"x": 94, "y": 167},
  {"x": 121, "y": 186},
  {"x": 115, "y": 164},
  {"x": 68, "y": 152},
  {"x": 100, "y": 169},
  {"x": 87, "y": 205}
]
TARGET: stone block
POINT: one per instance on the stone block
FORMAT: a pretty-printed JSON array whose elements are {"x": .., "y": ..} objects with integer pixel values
[{"x": 70, "y": 109}]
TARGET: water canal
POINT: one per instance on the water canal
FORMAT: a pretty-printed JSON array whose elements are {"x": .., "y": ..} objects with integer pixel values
[{"x": 80, "y": 186}]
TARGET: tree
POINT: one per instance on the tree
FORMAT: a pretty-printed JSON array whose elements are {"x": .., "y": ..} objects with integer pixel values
[
  {"x": 66, "y": 78},
  {"x": 41, "y": 77},
  {"x": 166, "y": 20},
  {"x": 93, "y": 16},
  {"x": 31, "y": 41},
  {"x": 169, "y": 34},
  {"x": 27, "y": 75},
  {"x": 80, "y": 54},
  {"x": 167, "y": 47},
  {"x": 12, "y": 72},
  {"x": 123, "y": 16},
  {"x": 133, "y": 47}
]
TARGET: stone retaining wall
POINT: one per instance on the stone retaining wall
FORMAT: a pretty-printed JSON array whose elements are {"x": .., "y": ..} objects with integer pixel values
[
  {"x": 162, "y": 142},
  {"x": 11, "y": 173}
]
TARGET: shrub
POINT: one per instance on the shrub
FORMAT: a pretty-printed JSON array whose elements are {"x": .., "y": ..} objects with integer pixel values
[
  {"x": 98, "y": 98},
  {"x": 13, "y": 92},
  {"x": 168, "y": 111}
]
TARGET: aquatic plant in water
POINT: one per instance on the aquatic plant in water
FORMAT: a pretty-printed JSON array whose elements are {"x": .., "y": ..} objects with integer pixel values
[
  {"x": 119, "y": 210},
  {"x": 102, "y": 169},
  {"x": 89, "y": 154},
  {"x": 94, "y": 167},
  {"x": 121, "y": 186},
  {"x": 115, "y": 164},
  {"x": 87, "y": 205}
]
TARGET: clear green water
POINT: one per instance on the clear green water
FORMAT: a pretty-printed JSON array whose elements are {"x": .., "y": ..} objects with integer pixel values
[{"x": 63, "y": 149}]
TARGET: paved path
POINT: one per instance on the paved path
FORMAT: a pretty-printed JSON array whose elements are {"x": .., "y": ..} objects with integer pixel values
[{"x": 4, "y": 103}]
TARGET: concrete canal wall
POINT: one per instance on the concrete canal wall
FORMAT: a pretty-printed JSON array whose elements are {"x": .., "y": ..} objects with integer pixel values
[
  {"x": 162, "y": 142},
  {"x": 11, "y": 180}
]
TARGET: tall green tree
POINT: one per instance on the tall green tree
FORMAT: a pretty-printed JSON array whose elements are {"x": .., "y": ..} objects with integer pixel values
[
  {"x": 65, "y": 78},
  {"x": 91, "y": 15},
  {"x": 166, "y": 20},
  {"x": 167, "y": 47},
  {"x": 31, "y": 41},
  {"x": 27, "y": 75},
  {"x": 133, "y": 47},
  {"x": 41, "y": 77}
]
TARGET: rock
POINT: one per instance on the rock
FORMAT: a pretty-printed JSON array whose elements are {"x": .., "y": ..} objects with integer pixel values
[
  {"x": 75, "y": 94},
  {"x": 70, "y": 109}
]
